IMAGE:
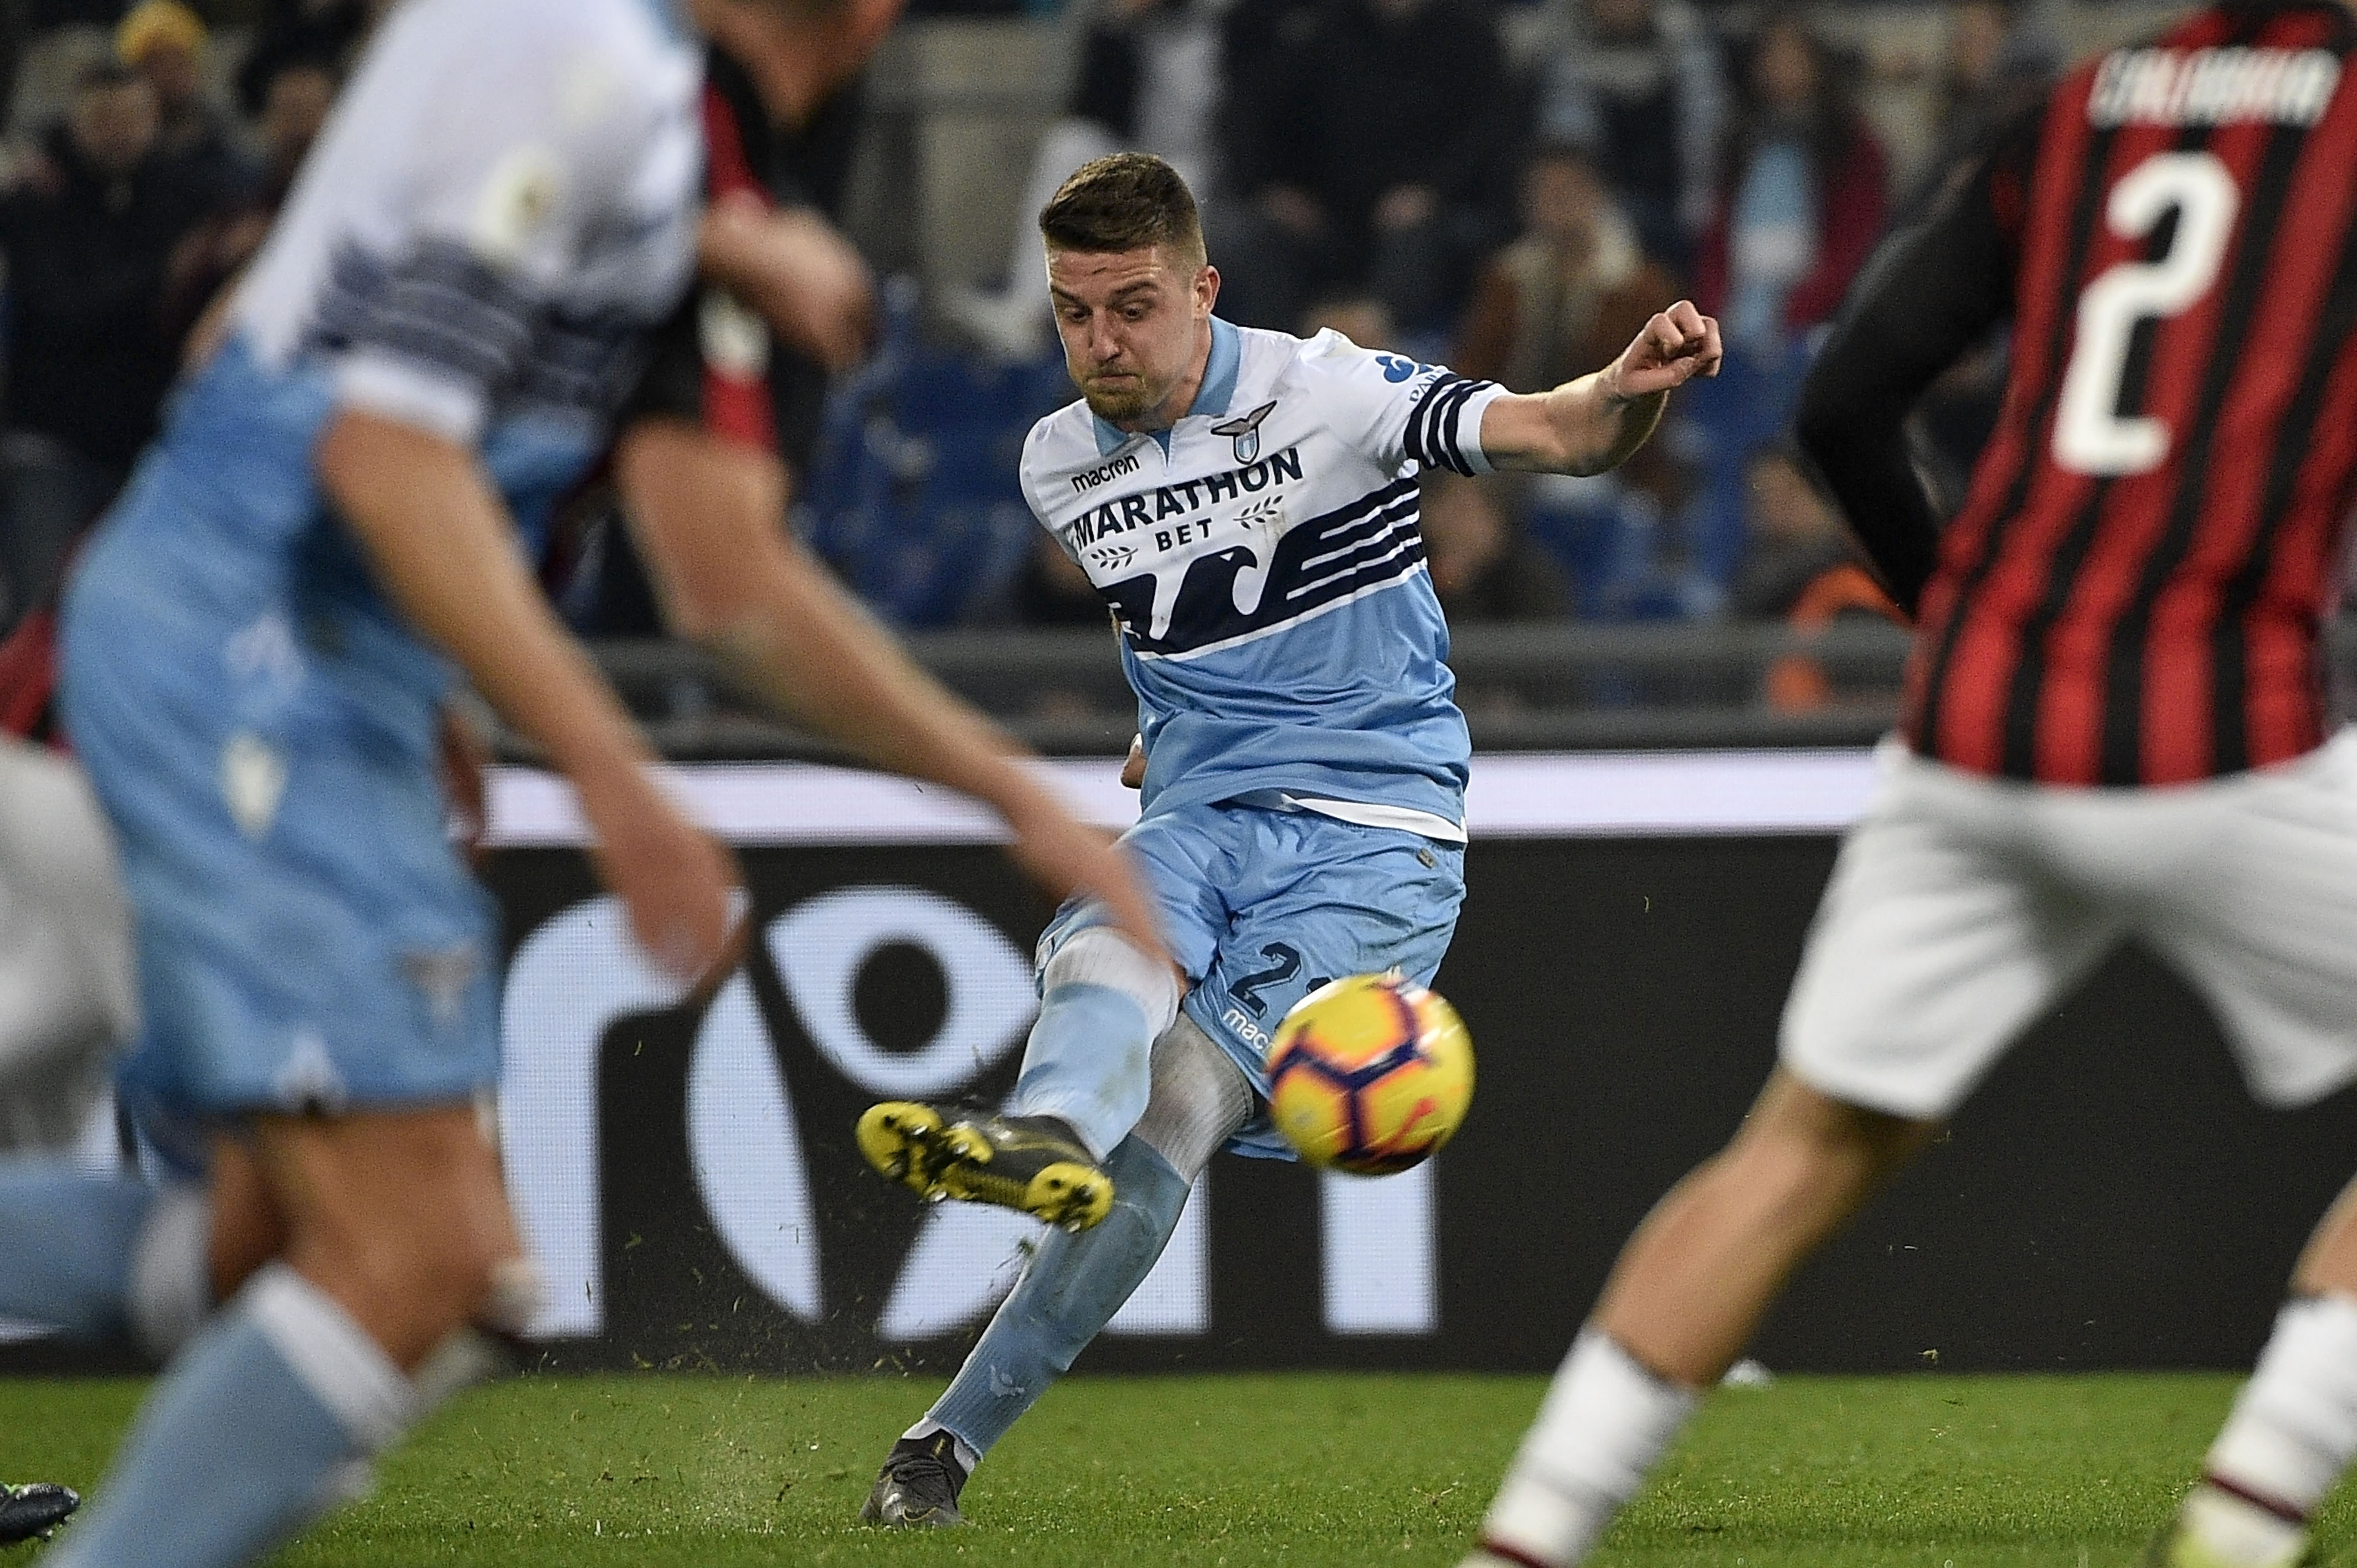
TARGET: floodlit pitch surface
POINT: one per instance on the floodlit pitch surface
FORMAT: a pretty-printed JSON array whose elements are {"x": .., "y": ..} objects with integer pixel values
[{"x": 1304, "y": 1471}]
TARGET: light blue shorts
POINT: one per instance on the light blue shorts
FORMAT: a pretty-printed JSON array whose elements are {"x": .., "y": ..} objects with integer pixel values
[
  {"x": 1261, "y": 907},
  {"x": 308, "y": 935}
]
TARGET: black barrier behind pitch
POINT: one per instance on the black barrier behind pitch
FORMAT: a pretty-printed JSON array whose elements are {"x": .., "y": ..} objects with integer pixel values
[{"x": 2110, "y": 1200}]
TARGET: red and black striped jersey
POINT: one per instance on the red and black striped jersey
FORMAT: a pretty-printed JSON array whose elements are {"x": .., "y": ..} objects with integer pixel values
[
  {"x": 709, "y": 364},
  {"x": 2133, "y": 589}
]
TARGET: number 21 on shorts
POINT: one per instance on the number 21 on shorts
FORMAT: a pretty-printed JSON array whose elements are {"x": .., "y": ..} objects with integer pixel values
[{"x": 2091, "y": 435}]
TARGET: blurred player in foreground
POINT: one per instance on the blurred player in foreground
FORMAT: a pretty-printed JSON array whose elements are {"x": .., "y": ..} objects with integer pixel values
[
  {"x": 1246, "y": 503},
  {"x": 66, "y": 1002},
  {"x": 2115, "y": 727},
  {"x": 256, "y": 650}
]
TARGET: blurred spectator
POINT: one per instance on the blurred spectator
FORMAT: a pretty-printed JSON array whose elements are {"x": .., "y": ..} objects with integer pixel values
[
  {"x": 2000, "y": 60},
  {"x": 294, "y": 111},
  {"x": 88, "y": 231},
  {"x": 1802, "y": 205},
  {"x": 164, "y": 41},
  {"x": 1362, "y": 318},
  {"x": 1483, "y": 566},
  {"x": 2001, "y": 57},
  {"x": 1804, "y": 570},
  {"x": 1636, "y": 83},
  {"x": 1563, "y": 300},
  {"x": 312, "y": 32},
  {"x": 1369, "y": 146},
  {"x": 1803, "y": 198},
  {"x": 1148, "y": 82},
  {"x": 39, "y": 15},
  {"x": 1801, "y": 558}
]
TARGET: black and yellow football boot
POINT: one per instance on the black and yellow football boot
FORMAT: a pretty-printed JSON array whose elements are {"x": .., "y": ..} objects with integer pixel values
[{"x": 1035, "y": 1163}]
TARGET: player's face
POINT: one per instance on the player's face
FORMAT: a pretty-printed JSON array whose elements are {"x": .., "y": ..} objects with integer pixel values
[{"x": 1133, "y": 326}]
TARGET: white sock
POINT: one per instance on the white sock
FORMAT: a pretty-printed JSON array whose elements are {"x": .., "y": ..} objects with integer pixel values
[
  {"x": 2233, "y": 1530},
  {"x": 171, "y": 1272},
  {"x": 1606, "y": 1422},
  {"x": 345, "y": 1369},
  {"x": 967, "y": 1455},
  {"x": 2294, "y": 1426}
]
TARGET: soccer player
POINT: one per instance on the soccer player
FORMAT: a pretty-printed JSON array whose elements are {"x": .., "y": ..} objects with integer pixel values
[
  {"x": 255, "y": 652},
  {"x": 2113, "y": 726},
  {"x": 1246, "y": 502},
  {"x": 67, "y": 1000}
]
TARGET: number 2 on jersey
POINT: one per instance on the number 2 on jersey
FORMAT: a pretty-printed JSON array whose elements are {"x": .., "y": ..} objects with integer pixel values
[{"x": 2091, "y": 435}]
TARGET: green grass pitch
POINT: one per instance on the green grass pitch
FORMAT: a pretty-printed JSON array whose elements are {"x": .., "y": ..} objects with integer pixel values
[{"x": 1302, "y": 1471}]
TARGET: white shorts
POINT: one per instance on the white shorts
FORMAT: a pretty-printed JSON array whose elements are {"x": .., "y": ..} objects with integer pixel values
[
  {"x": 68, "y": 1000},
  {"x": 1963, "y": 907}
]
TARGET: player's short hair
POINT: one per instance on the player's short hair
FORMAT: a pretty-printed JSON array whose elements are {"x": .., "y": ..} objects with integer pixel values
[{"x": 1125, "y": 202}]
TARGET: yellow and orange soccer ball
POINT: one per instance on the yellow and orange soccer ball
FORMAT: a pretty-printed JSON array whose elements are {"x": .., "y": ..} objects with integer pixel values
[{"x": 1370, "y": 1075}]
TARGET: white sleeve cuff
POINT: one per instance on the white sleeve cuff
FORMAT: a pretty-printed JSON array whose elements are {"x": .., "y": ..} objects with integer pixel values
[
  {"x": 411, "y": 393},
  {"x": 1468, "y": 428}
]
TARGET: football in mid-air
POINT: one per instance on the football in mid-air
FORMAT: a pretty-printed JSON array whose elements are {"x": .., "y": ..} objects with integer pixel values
[{"x": 1370, "y": 1075}]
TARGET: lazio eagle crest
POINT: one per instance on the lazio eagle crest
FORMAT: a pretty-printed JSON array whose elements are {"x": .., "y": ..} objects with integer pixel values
[{"x": 1246, "y": 432}]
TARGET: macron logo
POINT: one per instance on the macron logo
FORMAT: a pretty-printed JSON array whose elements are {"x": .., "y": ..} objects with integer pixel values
[{"x": 1085, "y": 482}]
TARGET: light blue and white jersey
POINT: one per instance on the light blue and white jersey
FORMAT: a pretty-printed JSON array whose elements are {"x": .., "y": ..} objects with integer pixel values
[
  {"x": 1265, "y": 561},
  {"x": 503, "y": 202},
  {"x": 501, "y": 206}
]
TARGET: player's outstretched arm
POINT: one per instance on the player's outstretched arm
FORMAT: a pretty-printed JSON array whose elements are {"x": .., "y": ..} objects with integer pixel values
[
  {"x": 1597, "y": 423},
  {"x": 445, "y": 548},
  {"x": 731, "y": 580}
]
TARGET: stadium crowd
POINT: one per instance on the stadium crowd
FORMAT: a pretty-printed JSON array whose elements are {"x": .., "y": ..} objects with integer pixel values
[{"x": 1510, "y": 190}]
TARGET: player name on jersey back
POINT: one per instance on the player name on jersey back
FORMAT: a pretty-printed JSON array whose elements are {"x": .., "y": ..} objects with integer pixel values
[
  {"x": 2133, "y": 592},
  {"x": 2212, "y": 87}
]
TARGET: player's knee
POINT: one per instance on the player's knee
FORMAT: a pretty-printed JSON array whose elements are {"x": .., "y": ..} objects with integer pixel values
[
  {"x": 1103, "y": 956},
  {"x": 1803, "y": 1151},
  {"x": 1199, "y": 1098}
]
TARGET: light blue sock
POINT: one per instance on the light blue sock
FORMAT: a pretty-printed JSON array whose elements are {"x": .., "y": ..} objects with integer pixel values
[
  {"x": 263, "y": 1423},
  {"x": 67, "y": 1241},
  {"x": 1074, "y": 1285},
  {"x": 1086, "y": 1062},
  {"x": 1089, "y": 1061}
]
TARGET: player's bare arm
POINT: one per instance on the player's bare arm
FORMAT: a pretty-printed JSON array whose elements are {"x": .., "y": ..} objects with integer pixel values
[
  {"x": 798, "y": 272},
  {"x": 445, "y": 548},
  {"x": 1596, "y": 423},
  {"x": 732, "y": 581}
]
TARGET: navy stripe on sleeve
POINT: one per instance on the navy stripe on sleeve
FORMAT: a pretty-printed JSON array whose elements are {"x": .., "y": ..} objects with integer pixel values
[
  {"x": 441, "y": 305},
  {"x": 1433, "y": 437}
]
